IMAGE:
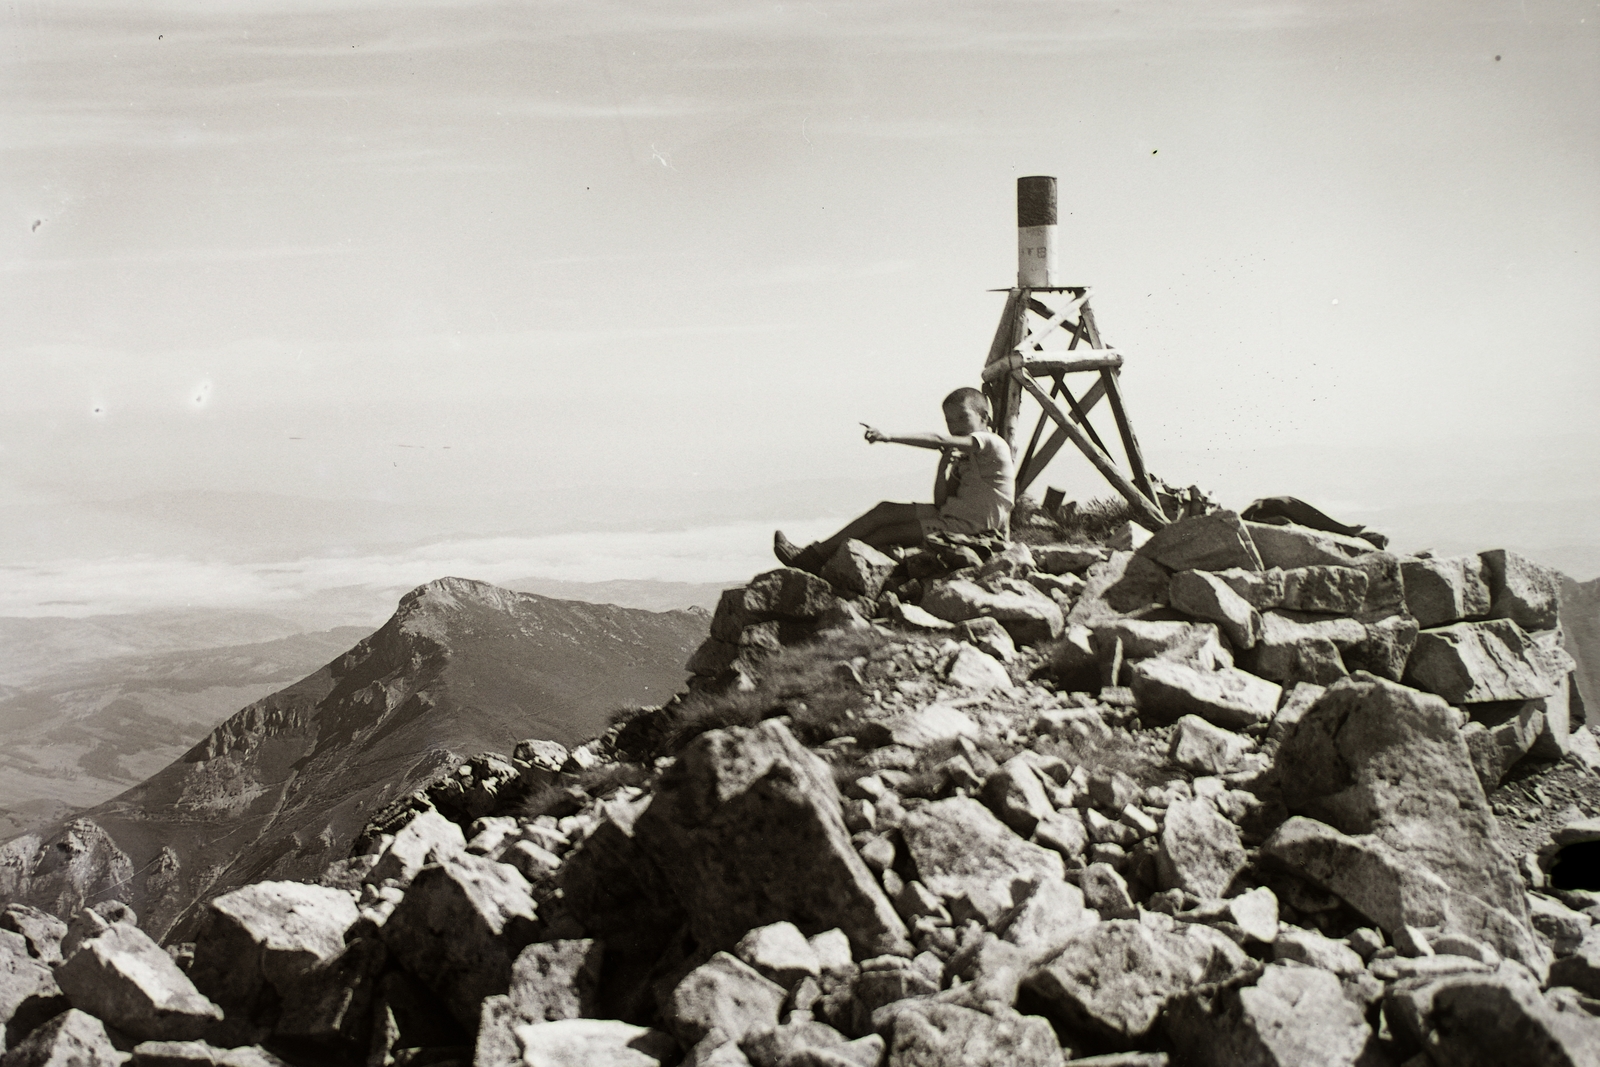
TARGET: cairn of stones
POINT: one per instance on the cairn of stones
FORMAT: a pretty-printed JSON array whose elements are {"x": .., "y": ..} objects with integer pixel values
[{"x": 1217, "y": 799}]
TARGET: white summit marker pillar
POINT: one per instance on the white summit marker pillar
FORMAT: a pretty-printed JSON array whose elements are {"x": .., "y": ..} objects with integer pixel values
[{"x": 1036, "y": 232}]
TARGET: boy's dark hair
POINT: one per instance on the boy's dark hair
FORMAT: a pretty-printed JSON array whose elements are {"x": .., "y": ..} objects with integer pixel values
[{"x": 964, "y": 394}]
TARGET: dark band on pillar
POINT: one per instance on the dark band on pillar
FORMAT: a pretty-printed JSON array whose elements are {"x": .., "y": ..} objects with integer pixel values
[{"x": 1036, "y": 201}]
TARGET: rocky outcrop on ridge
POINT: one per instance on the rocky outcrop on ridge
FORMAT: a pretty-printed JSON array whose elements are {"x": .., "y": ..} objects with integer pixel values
[
  {"x": 283, "y": 787},
  {"x": 1187, "y": 804}
]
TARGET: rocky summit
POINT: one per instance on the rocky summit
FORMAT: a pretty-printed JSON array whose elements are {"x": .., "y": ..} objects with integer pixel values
[
  {"x": 1248, "y": 794},
  {"x": 283, "y": 787}
]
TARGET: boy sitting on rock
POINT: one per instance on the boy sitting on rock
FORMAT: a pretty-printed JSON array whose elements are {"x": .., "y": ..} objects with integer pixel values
[{"x": 972, "y": 492}]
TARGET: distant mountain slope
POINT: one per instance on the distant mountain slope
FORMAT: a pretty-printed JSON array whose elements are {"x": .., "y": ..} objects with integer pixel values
[
  {"x": 628, "y": 593},
  {"x": 282, "y": 787},
  {"x": 90, "y": 729}
]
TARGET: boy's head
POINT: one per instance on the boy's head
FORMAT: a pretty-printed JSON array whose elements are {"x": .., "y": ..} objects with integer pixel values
[{"x": 966, "y": 410}]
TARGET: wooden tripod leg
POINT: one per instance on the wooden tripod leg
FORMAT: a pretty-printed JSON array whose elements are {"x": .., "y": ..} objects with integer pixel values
[
  {"x": 1147, "y": 513},
  {"x": 1005, "y": 396},
  {"x": 1130, "y": 443}
]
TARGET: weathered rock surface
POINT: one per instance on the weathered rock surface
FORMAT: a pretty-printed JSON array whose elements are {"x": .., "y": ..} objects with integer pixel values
[
  {"x": 1200, "y": 850},
  {"x": 779, "y": 952},
  {"x": 267, "y": 936},
  {"x": 1231, "y": 698},
  {"x": 1112, "y": 980},
  {"x": 1314, "y": 949},
  {"x": 1476, "y": 662},
  {"x": 559, "y": 979},
  {"x": 41, "y": 930},
  {"x": 1205, "y": 749},
  {"x": 1325, "y": 589},
  {"x": 28, "y": 991},
  {"x": 1500, "y": 735},
  {"x": 746, "y": 827},
  {"x": 426, "y": 835},
  {"x": 1124, "y": 586},
  {"x": 1211, "y": 542},
  {"x": 859, "y": 568},
  {"x": 724, "y": 994},
  {"x": 1374, "y": 757},
  {"x": 1292, "y": 1016},
  {"x": 1203, "y": 595},
  {"x": 1488, "y": 1020},
  {"x": 1521, "y": 590},
  {"x": 201, "y": 1054},
  {"x": 934, "y": 1035},
  {"x": 592, "y": 1043},
  {"x": 1027, "y": 614},
  {"x": 961, "y": 850},
  {"x": 71, "y": 1039},
  {"x": 460, "y": 926},
  {"x": 976, "y": 670},
  {"x": 1016, "y": 795},
  {"x": 1443, "y": 590},
  {"x": 1300, "y": 649},
  {"x": 1290, "y": 546},
  {"x": 1396, "y": 891},
  {"x": 128, "y": 981}
]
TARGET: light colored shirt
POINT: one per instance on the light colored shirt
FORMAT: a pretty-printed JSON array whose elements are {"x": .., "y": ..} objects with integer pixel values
[{"x": 982, "y": 486}]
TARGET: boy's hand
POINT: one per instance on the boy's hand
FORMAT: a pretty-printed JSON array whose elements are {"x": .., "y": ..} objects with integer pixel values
[{"x": 874, "y": 436}]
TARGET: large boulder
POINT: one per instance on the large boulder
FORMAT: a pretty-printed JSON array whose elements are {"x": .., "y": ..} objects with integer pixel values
[
  {"x": 1445, "y": 589},
  {"x": 28, "y": 991},
  {"x": 1200, "y": 850},
  {"x": 424, "y": 837},
  {"x": 1196, "y": 643},
  {"x": 592, "y": 1043},
  {"x": 127, "y": 980},
  {"x": 1489, "y": 1020},
  {"x": 71, "y": 1039},
  {"x": 460, "y": 927},
  {"x": 960, "y": 850},
  {"x": 1521, "y": 590},
  {"x": 747, "y": 830},
  {"x": 1393, "y": 890},
  {"x": 1478, "y": 662},
  {"x": 1327, "y": 590},
  {"x": 267, "y": 936},
  {"x": 39, "y": 929},
  {"x": 1167, "y": 690},
  {"x": 1293, "y": 1016},
  {"x": 1501, "y": 734},
  {"x": 1294, "y": 649},
  {"x": 1027, "y": 614},
  {"x": 1111, "y": 981},
  {"x": 1387, "y": 648},
  {"x": 1211, "y": 542},
  {"x": 330, "y": 1006},
  {"x": 559, "y": 979},
  {"x": 1374, "y": 757},
  {"x": 1203, "y": 748}
]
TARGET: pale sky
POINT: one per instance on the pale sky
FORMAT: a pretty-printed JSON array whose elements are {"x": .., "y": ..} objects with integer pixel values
[{"x": 535, "y": 261}]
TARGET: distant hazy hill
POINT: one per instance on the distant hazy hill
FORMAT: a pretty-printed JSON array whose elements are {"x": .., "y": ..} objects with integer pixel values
[
  {"x": 94, "y": 726},
  {"x": 282, "y": 787}
]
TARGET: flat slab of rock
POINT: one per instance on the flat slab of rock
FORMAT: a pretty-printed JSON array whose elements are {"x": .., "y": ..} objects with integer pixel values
[
  {"x": 973, "y": 669},
  {"x": 1167, "y": 690},
  {"x": 71, "y": 1039},
  {"x": 747, "y": 829},
  {"x": 1213, "y": 542},
  {"x": 1478, "y": 662},
  {"x": 201, "y": 1054},
  {"x": 1111, "y": 981},
  {"x": 961, "y": 850},
  {"x": 459, "y": 928},
  {"x": 1068, "y": 559},
  {"x": 127, "y": 980},
  {"x": 1027, "y": 614},
  {"x": 1290, "y": 546}
]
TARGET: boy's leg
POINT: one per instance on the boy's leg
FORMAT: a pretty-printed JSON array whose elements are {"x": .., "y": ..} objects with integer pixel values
[{"x": 887, "y": 524}]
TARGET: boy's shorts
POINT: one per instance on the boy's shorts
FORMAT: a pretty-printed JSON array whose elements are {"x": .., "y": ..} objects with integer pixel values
[{"x": 932, "y": 521}]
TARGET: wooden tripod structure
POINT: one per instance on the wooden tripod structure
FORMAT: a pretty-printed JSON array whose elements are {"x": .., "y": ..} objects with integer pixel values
[{"x": 1035, "y": 321}]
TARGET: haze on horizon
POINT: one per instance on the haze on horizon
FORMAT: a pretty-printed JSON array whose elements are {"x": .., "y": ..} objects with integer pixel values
[{"x": 305, "y": 295}]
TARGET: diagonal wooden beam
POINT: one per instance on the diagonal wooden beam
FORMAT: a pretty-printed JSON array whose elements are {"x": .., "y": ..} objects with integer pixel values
[{"x": 1145, "y": 509}]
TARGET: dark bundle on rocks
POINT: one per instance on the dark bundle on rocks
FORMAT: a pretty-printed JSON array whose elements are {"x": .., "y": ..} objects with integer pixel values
[{"x": 1219, "y": 799}]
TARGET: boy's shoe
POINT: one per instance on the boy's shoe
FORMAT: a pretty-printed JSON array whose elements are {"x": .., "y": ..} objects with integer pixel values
[{"x": 786, "y": 550}]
